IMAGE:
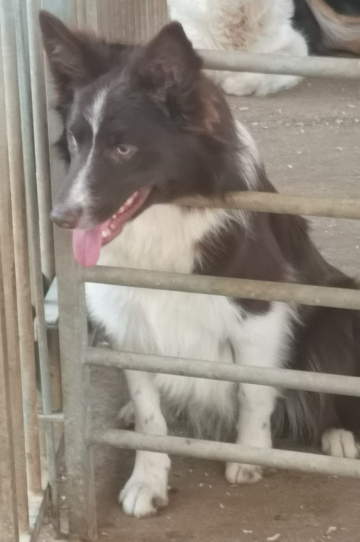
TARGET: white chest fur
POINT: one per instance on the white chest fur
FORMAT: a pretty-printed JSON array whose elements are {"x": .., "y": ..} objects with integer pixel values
[
  {"x": 163, "y": 238},
  {"x": 180, "y": 324}
]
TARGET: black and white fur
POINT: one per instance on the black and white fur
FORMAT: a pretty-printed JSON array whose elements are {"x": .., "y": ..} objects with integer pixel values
[
  {"x": 147, "y": 119},
  {"x": 329, "y": 25}
]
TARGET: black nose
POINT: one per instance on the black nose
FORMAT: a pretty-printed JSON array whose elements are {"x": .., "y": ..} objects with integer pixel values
[{"x": 66, "y": 217}]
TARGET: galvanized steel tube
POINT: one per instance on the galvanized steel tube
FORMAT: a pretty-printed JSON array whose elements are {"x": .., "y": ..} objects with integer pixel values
[
  {"x": 38, "y": 93},
  {"x": 8, "y": 145},
  {"x": 21, "y": 251},
  {"x": 76, "y": 380},
  {"x": 282, "y": 378},
  {"x": 281, "y": 203},
  {"x": 306, "y": 66},
  {"x": 35, "y": 252},
  {"x": 221, "y": 451},
  {"x": 9, "y": 529},
  {"x": 246, "y": 289}
]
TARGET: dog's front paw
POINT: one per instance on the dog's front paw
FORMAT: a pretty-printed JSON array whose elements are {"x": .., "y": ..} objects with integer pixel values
[
  {"x": 237, "y": 473},
  {"x": 146, "y": 490},
  {"x": 140, "y": 500},
  {"x": 340, "y": 443}
]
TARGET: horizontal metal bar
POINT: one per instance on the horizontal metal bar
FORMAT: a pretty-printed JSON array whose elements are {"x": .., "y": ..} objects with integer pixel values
[
  {"x": 57, "y": 417},
  {"x": 221, "y": 451},
  {"x": 306, "y": 66},
  {"x": 284, "y": 378},
  {"x": 281, "y": 203},
  {"x": 238, "y": 288}
]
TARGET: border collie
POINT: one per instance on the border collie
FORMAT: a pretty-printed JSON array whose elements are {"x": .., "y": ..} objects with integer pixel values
[
  {"x": 255, "y": 26},
  {"x": 142, "y": 127}
]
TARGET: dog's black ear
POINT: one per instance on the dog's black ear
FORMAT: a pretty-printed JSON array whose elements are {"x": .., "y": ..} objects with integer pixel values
[
  {"x": 73, "y": 56},
  {"x": 169, "y": 63}
]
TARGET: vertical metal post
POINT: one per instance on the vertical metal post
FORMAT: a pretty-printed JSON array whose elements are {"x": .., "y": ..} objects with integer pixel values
[
  {"x": 21, "y": 254},
  {"x": 8, "y": 510},
  {"x": 75, "y": 378},
  {"x": 41, "y": 140},
  {"x": 8, "y": 264},
  {"x": 35, "y": 252},
  {"x": 55, "y": 369}
]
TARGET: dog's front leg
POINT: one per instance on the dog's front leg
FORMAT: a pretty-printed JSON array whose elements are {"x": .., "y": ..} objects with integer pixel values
[
  {"x": 146, "y": 490},
  {"x": 264, "y": 343},
  {"x": 256, "y": 405}
]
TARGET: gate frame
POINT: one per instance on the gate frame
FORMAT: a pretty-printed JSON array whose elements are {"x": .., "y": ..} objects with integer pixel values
[{"x": 27, "y": 93}]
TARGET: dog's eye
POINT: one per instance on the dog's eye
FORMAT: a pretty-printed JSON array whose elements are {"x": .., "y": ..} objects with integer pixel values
[{"x": 125, "y": 151}]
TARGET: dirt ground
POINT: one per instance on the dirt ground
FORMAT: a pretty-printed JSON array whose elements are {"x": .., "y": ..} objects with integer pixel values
[{"x": 309, "y": 138}]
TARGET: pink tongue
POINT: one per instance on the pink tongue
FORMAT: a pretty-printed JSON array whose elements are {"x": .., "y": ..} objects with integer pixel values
[{"x": 87, "y": 245}]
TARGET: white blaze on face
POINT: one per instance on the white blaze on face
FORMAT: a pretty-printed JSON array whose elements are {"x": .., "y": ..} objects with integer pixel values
[{"x": 80, "y": 194}]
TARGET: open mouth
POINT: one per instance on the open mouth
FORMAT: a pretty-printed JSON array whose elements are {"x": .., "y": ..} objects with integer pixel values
[
  {"x": 112, "y": 227},
  {"x": 87, "y": 243}
]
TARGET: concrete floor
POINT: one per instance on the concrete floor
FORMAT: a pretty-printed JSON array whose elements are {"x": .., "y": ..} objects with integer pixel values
[{"x": 309, "y": 139}]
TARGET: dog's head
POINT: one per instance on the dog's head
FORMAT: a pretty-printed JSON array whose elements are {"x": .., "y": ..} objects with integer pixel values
[{"x": 142, "y": 126}]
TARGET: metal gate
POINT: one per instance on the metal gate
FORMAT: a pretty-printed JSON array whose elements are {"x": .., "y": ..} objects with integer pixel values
[
  {"x": 24, "y": 157},
  {"x": 27, "y": 268}
]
